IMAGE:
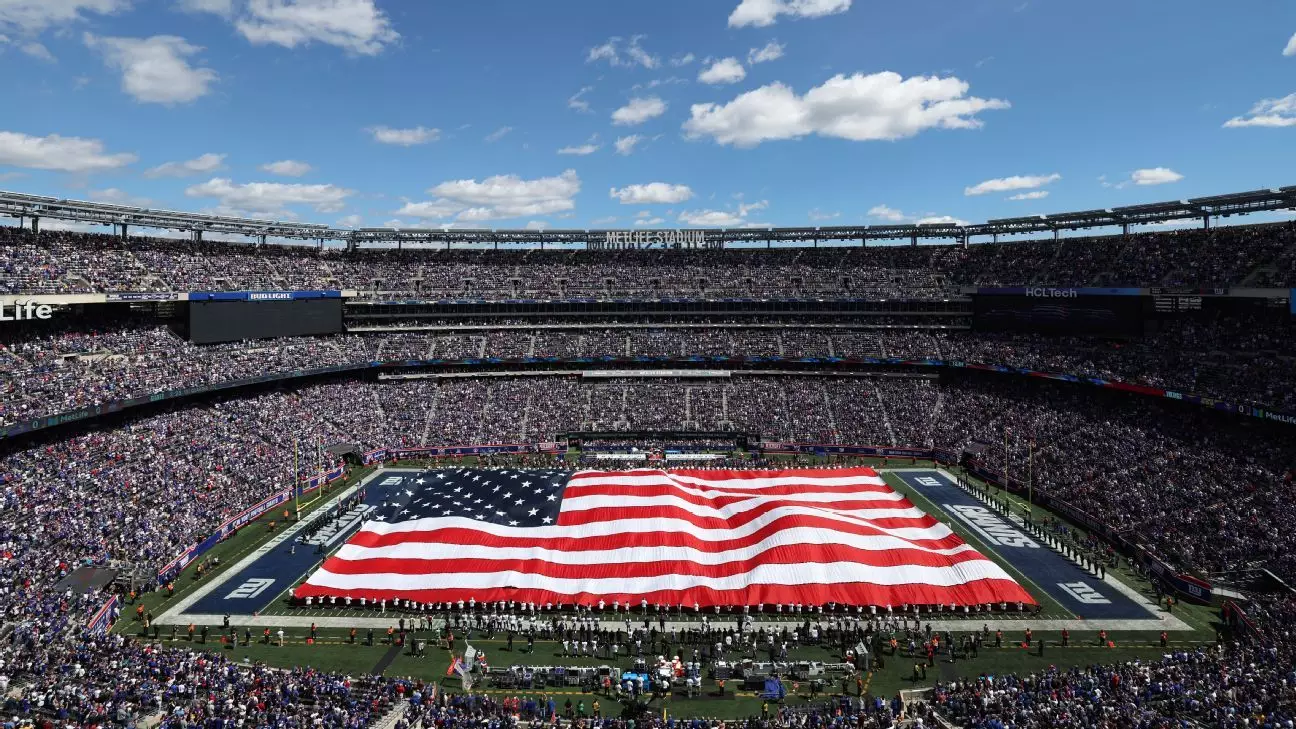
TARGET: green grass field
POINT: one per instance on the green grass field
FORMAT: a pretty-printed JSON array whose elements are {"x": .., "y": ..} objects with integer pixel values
[{"x": 332, "y": 650}]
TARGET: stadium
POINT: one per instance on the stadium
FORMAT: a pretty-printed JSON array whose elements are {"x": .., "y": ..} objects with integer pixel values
[{"x": 1035, "y": 471}]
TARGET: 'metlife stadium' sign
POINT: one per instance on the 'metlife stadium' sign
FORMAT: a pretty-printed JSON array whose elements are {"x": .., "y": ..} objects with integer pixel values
[{"x": 626, "y": 239}]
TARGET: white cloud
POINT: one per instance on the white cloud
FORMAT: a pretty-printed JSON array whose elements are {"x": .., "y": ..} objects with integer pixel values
[
  {"x": 639, "y": 110},
  {"x": 156, "y": 70},
  {"x": 404, "y": 137},
  {"x": 1007, "y": 184},
  {"x": 650, "y": 221},
  {"x": 350, "y": 221},
  {"x": 536, "y": 225},
  {"x": 38, "y": 51},
  {"x": 197, "y": 166},
  {"x": 580, "y": 150},
  {"x": 1290, "y": 50},
  {"x": 356, "y": 26},
  {"x": 940, "y": 220},
  {"x": 817, "y": 215},
  {"x": 1034, "y": 195},
  {"x": 1268, "y": 113},
  {"x": 722, "y": 218},
  {"x": 62, "y": 154},
  {"x": 286, "y": 168},
  {"x": 1154, "y": 176},
  {"x": 631, "y": 54},
  {"x": 889, "y": 214},
  {"x": 723, "y": 71},
  {"x": 33, "y": 16},
  {"x": 577, "y": 103},
  {"x": 607, "y": 220},
  {"x": 771, "y": 52},
  {"x": 498, "y": 134},
  {"x": 652, "y": 193},
  {"x": 118, "y": 196},
  {"x": 879, "y": 106},
  {"x": 683, "y": 60},
  {"x": 760, "y": 13},
  {"x": 498, "y": 197},
  {"x": 626, "y": 145},
  {"x": 270, "y": 197}
]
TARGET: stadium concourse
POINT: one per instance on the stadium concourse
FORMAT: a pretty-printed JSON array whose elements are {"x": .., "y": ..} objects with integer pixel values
[{"x": 1207, "y": 493}]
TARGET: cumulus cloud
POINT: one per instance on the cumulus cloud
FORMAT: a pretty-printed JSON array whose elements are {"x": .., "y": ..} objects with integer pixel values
[
  {"x": 683, "y": 60},
  {"x": 760, "y": 13},
  {"x": 723, "y": 71},
  {"x": 820, "y": 215},
  {"x": 650, "y": 221},
  {"x": 652, "y": 193},
  {"x": 1290, "y": 50},
  {"x": 498, "y": 197},
  {"x": 771, "y": 51},
  {"x": 879, "y": 106},
  {"x": 356, "y": 26},
  {"x": 270, "y": 197},
  {"x": 61, "y": 154},
  {"x": 889, "y": 214},
  {"x": 623, "y": 55},
  {"x": 1155, "y": 176},
  {"x": 498, "y": 134},
  {"x": 1268, "y": 113},
  {"x": 155, "y": 70},
  {"x": 580, "y": 150},
  {"x": 200, "y": 165},
  {"x": 404, "y": 137},
  {"x": 286, "y": 168},
  {"x": 723, "y": 218},
  {"x": 38, "y": 51},
  {"x": 1008, "y": 184},
  {"x": 350, "y": 221},
  {"x": 626, "y": 145},
  {"x": 34, "y": 16},
  {"x": 639, "y": 110},
  {"x": 1034, "y": 195},
  {"x": 578, "y": 103}
]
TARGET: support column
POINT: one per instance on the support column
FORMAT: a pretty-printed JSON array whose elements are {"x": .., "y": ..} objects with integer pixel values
[
  {"x": 1055, "y": 234},
  {"x": 913, "y": 239},
  {"x": 125, "y": 231},
  {"x": 35, "y": 224},
  {"x": 1125, "y": 229},
  {"x": 262, "y": 238},
  {"x": 965, "y": 240},
  {"x": 1206, "y": 222},
  {"x": 197, "y": 236}
]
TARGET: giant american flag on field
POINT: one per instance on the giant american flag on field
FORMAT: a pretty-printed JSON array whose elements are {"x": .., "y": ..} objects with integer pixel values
[{"x": 680, "y": 537}]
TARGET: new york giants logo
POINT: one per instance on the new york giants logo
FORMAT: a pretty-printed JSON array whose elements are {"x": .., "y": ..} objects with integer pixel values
[
  {"x": 250, "y": 589},
  {"x": 1083, "y": 593}
]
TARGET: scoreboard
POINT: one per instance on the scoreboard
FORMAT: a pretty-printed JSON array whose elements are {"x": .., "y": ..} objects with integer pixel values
[
  {"x": 1176, "y": 304},
  {"x": 216, "y": 318}
]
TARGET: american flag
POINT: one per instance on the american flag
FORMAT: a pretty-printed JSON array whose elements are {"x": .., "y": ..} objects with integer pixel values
[{"x": 680, "y": 537}]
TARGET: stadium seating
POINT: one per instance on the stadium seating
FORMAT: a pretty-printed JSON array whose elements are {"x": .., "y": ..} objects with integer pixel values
[{"x": 64, "y": 262}]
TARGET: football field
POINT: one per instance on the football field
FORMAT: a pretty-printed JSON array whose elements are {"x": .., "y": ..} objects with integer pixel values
[{"x": 259, "y": 569}]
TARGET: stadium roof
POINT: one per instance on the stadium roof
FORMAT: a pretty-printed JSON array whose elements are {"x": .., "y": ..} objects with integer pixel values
[{"x": 1241, "y": 203}]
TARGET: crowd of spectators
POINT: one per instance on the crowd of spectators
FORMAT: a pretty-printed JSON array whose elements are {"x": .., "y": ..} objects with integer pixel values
[
  {"x": 56, "y": 370},
  {"x": 67, "y": 262}
]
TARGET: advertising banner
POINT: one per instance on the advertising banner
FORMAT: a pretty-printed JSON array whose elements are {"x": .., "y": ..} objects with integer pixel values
[
  {"x": 102, "y": 620},
  {"x": 175, "y": 566}
]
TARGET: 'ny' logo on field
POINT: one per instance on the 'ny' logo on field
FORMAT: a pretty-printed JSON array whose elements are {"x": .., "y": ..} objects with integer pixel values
[
  {"x": 1084, "y": 593},
  {"x": 250, "y": 589}
]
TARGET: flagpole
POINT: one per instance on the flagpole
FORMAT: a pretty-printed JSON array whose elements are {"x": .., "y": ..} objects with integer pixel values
[
  {"x": 296, "y": 481},
  {"x": 1030, "y": 479}
]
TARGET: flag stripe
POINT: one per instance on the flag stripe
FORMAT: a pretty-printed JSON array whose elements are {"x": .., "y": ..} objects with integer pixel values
[
  {"x": 809, "y": 529},
  {"x": 680, "y": 537}
]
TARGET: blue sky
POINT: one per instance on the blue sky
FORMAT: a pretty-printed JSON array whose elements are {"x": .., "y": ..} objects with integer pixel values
[{"x": 672, "y": 113}]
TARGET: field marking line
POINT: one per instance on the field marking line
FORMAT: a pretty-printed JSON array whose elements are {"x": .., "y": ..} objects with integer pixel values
[{"x": 174, "y": 612}]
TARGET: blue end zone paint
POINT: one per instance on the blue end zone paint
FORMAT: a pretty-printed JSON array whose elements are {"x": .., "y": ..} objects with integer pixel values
[
  {"x": 255, "y": 587},
  {"x": 1077, "y": 591}
]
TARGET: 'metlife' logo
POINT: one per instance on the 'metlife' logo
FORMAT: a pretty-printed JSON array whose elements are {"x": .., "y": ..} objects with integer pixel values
[{"x": 23, "y": 311}]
